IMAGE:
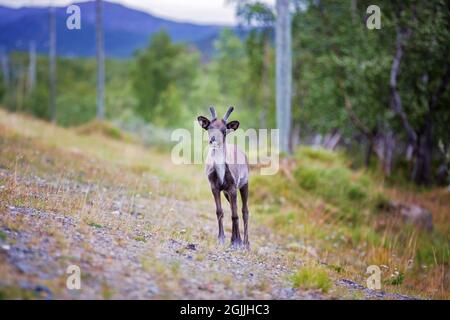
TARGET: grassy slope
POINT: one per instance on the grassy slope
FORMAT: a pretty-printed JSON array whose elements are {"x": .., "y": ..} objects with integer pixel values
[
  {"x": 340, "y": 213},
  {"x": 310, "y": 226}
]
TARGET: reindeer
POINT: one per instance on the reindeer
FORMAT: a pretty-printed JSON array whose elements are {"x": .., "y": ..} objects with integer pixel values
[{"x": 227, "y": 170}]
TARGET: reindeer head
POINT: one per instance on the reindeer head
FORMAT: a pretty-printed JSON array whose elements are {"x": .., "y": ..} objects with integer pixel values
[{"x": 218, "y": 128}]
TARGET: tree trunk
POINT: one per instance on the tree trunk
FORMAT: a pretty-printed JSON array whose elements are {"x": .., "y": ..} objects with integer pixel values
[
  {"x": 424, "y": 148},
  {"x": 283, "y": 73},
  {"x": 265, "y": 82},
  {"x": 100, "y": 61},
  {"x": 422, "y": 166},
  {"x": 389, "y": 139},
  {"x": 32, "y": 67},
  {"x": 396, "y": 101},
  {"x": 20, "y": 86},
  {"x": 384, "y": 147},
  {"x": 5, "y": 68},
  {"x": 52, "y": 65},
  {"x": 332, "y": 139},
  {"x": 353, "y": 9},
  {"x": 295, "y": 136},
  {"x": 369, "y": 152}
]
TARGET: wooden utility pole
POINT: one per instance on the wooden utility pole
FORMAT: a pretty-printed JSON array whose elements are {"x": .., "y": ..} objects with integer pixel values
[
  {"x": 283, "y": 73},
  {"x": 52, "y": 65},
  {"x": 100, "y": 61}
]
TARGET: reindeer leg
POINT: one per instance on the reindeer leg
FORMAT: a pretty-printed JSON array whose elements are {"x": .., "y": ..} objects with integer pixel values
[
  {"x": 219, "y": 214},
  {"x": 244, "y": 197},
  {"x": 227, "y": 197},
  {"x": 235, "y": 235}
]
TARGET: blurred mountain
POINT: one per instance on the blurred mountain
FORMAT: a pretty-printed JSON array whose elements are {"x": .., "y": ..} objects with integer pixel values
[{"x": 125, "y": 30}]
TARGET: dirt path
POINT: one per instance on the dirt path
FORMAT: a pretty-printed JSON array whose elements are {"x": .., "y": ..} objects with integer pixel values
[{"x": 165, "y": 248}]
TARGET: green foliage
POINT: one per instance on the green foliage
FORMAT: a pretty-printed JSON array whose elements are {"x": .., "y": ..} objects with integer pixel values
[
  {"x": 395, "y": 280},
  {"x": 2, "y": 87},
  {"x": 16, "y": 292},
  {"x": 95, "y": 225},
  {"x": 103, "y": 128},
  {"x": 351, "y": 65},
  {"x": 341, "y": 72},
  {"x": 312, "y": 277},
  {"x": 230, "y": 57},
  {"x": 228, "y": 80},
  {"x": 343, "y": 82},
  {"x": 76, "y": 89},
  {"x": 433, "y": 249},
  {"x": 325, "y": 174},
  {"x": 230, "y": 69},
  {"x": 163, "y": 76}
]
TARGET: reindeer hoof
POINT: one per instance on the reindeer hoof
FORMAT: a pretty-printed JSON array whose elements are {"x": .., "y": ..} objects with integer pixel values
[
  {"x": 221, "y": 240},
  {"x": 236, "y": 244}
]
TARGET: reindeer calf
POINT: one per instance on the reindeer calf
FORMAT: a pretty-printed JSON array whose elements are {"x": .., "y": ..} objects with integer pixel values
[{"x": 227, "y": 171}]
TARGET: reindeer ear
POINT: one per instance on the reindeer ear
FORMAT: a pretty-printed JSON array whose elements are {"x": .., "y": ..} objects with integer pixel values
[
  {"x": 233, "y": 125},
  {"x": 204, "y": 122}
]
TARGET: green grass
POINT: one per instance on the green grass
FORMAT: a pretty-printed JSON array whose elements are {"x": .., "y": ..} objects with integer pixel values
[
  {"x": 95, "y": 225},
  {"x": 327, "y": 175},
  {"x": 15, "y": 292},
  {"x": 312, "y": 277},
  {"x": 140, "y": 238},
  {"x": 343, "y": 212},
  {"x": 395, "y": 280},
  {"x": 103, "y": 128}
]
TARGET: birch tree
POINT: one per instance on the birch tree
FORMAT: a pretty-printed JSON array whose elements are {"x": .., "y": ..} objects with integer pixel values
[
  {"x": 52, "y": 64},
  {"x": 5, "y": 67},
  {"x": 100, "y": 61},
  {"x": 32, "y": 67},
  {"x": 283, "y": 73}
]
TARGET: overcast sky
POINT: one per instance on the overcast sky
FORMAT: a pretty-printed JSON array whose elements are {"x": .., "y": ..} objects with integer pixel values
[{"x": 199, "y": 11}]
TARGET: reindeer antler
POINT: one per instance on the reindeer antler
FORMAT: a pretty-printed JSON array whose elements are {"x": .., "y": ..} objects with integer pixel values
[
  {"x": 213, "y": 113},
  {"x": 230, "y": 110}
]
